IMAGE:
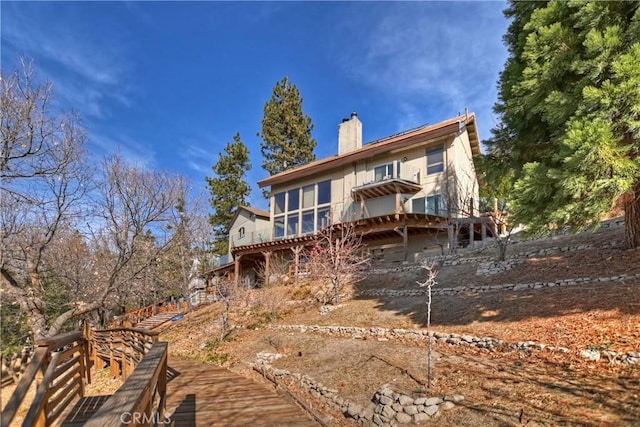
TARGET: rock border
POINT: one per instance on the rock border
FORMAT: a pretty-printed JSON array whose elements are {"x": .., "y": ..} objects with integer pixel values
[
  {"x": 388, "y": 407},
  {"x": 485, "y": 343},
  {"x": 503, "y": 287}
]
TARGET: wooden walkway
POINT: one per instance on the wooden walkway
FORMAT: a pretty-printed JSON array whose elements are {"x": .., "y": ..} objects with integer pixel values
[
  {"x": 200, "y": 394},
  {"x": 157, "y": 320}
]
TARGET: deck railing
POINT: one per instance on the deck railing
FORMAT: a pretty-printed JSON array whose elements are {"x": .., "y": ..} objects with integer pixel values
[
  {"x": 136, "y": 316},
  {"x": 60, "y": 368},
  {"x": 141, "y": 399},
  {"x": 120, "y": 348}
]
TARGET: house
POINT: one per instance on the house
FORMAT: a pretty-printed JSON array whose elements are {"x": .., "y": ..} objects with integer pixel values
[{"x": 409, "y": 194}]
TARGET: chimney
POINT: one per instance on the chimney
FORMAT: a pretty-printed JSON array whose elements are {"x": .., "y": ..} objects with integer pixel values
[{"x": 349, "y": 134}]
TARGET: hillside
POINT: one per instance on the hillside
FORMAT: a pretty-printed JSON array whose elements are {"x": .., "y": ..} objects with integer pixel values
[{"x": 553, "y": 339}]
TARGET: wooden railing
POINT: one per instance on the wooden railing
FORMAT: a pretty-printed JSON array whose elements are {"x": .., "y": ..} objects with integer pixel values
[
  {"x": 60, "y": 368},
  {"x": 141, "y": 399},
  {"x": 120, "y": 348},
  {"x": 136, "y": 316}
]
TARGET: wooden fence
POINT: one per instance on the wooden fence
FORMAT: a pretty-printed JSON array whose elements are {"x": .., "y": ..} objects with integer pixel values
[
  {"x": 136, "y": 316},
  {"x": 60, "y": 366}
]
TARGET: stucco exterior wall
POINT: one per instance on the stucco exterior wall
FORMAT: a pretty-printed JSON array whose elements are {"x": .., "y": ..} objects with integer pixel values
[
  {"x": 466, "y": 181},
  {"x": 256, "y": 228}
]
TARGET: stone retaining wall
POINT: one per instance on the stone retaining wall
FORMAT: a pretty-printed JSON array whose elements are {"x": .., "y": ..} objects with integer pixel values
[
  {"x": 452, "y": 260},
  {"x": 495, "y": 267},
  {"x": 488, "y": 343},
  {"x": 502, "y": 287},
  {"x": 387, "y": 408}
]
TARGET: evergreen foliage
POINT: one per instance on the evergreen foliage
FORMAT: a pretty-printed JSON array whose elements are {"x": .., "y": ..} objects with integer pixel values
[
  {"x": 569, "y": 102},
  {"x": 286, "y": 130},
  {"x": 228, "y": 190}
]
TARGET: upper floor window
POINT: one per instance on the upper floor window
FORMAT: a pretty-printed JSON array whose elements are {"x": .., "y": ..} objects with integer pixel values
[
  {"x": 294, "y": 200},
  {"x": 383, "y": 172},
  {"x": 302, "y": 210},
  {"x": 435, "y": 159},
  {"x": 241, "y": 232},
  {"x": 308, "y": 196},
  {"x": 279, "y": 201},
  {"x": 324, "y": 192}
]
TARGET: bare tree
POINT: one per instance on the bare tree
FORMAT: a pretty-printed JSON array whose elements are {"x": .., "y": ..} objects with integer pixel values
[
  {"x": 228, "y": 292},
  {"x": 134, "y": 203},
  {"x": 502, "y": 229},
  {"x": 86, "y": 235},
  {"x": 429, "y": 282},
  {"x": 459, "y": 200},
  {"x": 43, "y": 182},
  {"x": 192, "y": 237},
  {"x": 337, "y": 259}
]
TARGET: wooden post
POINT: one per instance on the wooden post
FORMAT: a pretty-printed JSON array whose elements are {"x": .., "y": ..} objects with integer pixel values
[
  {"x": 472, "y": 230},
  {"x": 162, "y": 387},
  {"x": 483, "y": 228},
  {"x": 82, "y": 368},
  {"x": 87, "y": 361},
  {"x": 450, "y": 236},
  {"x": 405, "y": 243},
  {"x": 237, "y": 269},
  {"x": 267, "y": 267},
  {"x": 41, "y": 417},
  {"x": 113, "y": 368},
  {"x": 296, "y": 250}
]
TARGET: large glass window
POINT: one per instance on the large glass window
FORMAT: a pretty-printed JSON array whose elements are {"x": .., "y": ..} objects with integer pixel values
[
  {"x": 323, "y": 218},
  {"x": 292, "y": 225},
  {"x": 418, "y": 205},
  {"x": 294, "y": 200},
  {"x": 434, "y": 205},
  {"x": 279, "y": 227},
  {"x": 308, "y": 196},
  {"x": 324, "y": 192},
  {"x": 307, "y": 222},
  {"x": 383, "y": 172},
  {"x": 279, "y": 203},
  {"x": 435, "y": 159},
  {"x": 296, "y": 210}
]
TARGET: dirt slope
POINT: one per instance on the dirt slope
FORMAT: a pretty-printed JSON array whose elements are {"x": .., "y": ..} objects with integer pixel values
[{"x": 500, "y": 387}]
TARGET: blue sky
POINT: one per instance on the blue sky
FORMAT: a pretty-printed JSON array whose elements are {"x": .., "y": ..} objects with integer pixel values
[{"x": 168, "y": 84}]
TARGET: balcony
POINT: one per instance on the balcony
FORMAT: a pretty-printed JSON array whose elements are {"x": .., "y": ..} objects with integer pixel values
[{"x": 388, "y": 179}]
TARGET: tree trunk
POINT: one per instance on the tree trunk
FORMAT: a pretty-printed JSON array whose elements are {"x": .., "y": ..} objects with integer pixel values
[{"x": 632, "y": 216}]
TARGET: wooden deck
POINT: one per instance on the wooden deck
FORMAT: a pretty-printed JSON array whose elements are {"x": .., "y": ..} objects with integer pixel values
[{"x": 199, "y": 394}]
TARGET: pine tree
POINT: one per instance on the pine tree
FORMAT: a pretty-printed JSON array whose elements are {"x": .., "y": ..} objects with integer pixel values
[
  {"x": 286, "y": 130},
  {"x": 569, "y": 102},
  {"x": 228, "y": 190}
]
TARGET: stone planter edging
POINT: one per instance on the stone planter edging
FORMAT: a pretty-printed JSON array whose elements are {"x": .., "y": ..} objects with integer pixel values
[
  {"x": 503, "y": 287},
  {"x": 387, "y": 408},
  {"x": 488, "y": 343}
]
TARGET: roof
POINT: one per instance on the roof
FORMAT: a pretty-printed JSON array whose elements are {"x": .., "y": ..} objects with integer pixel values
[
  {"x": 394, "y": 142},
  {"x": 254, "y": 211}
]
